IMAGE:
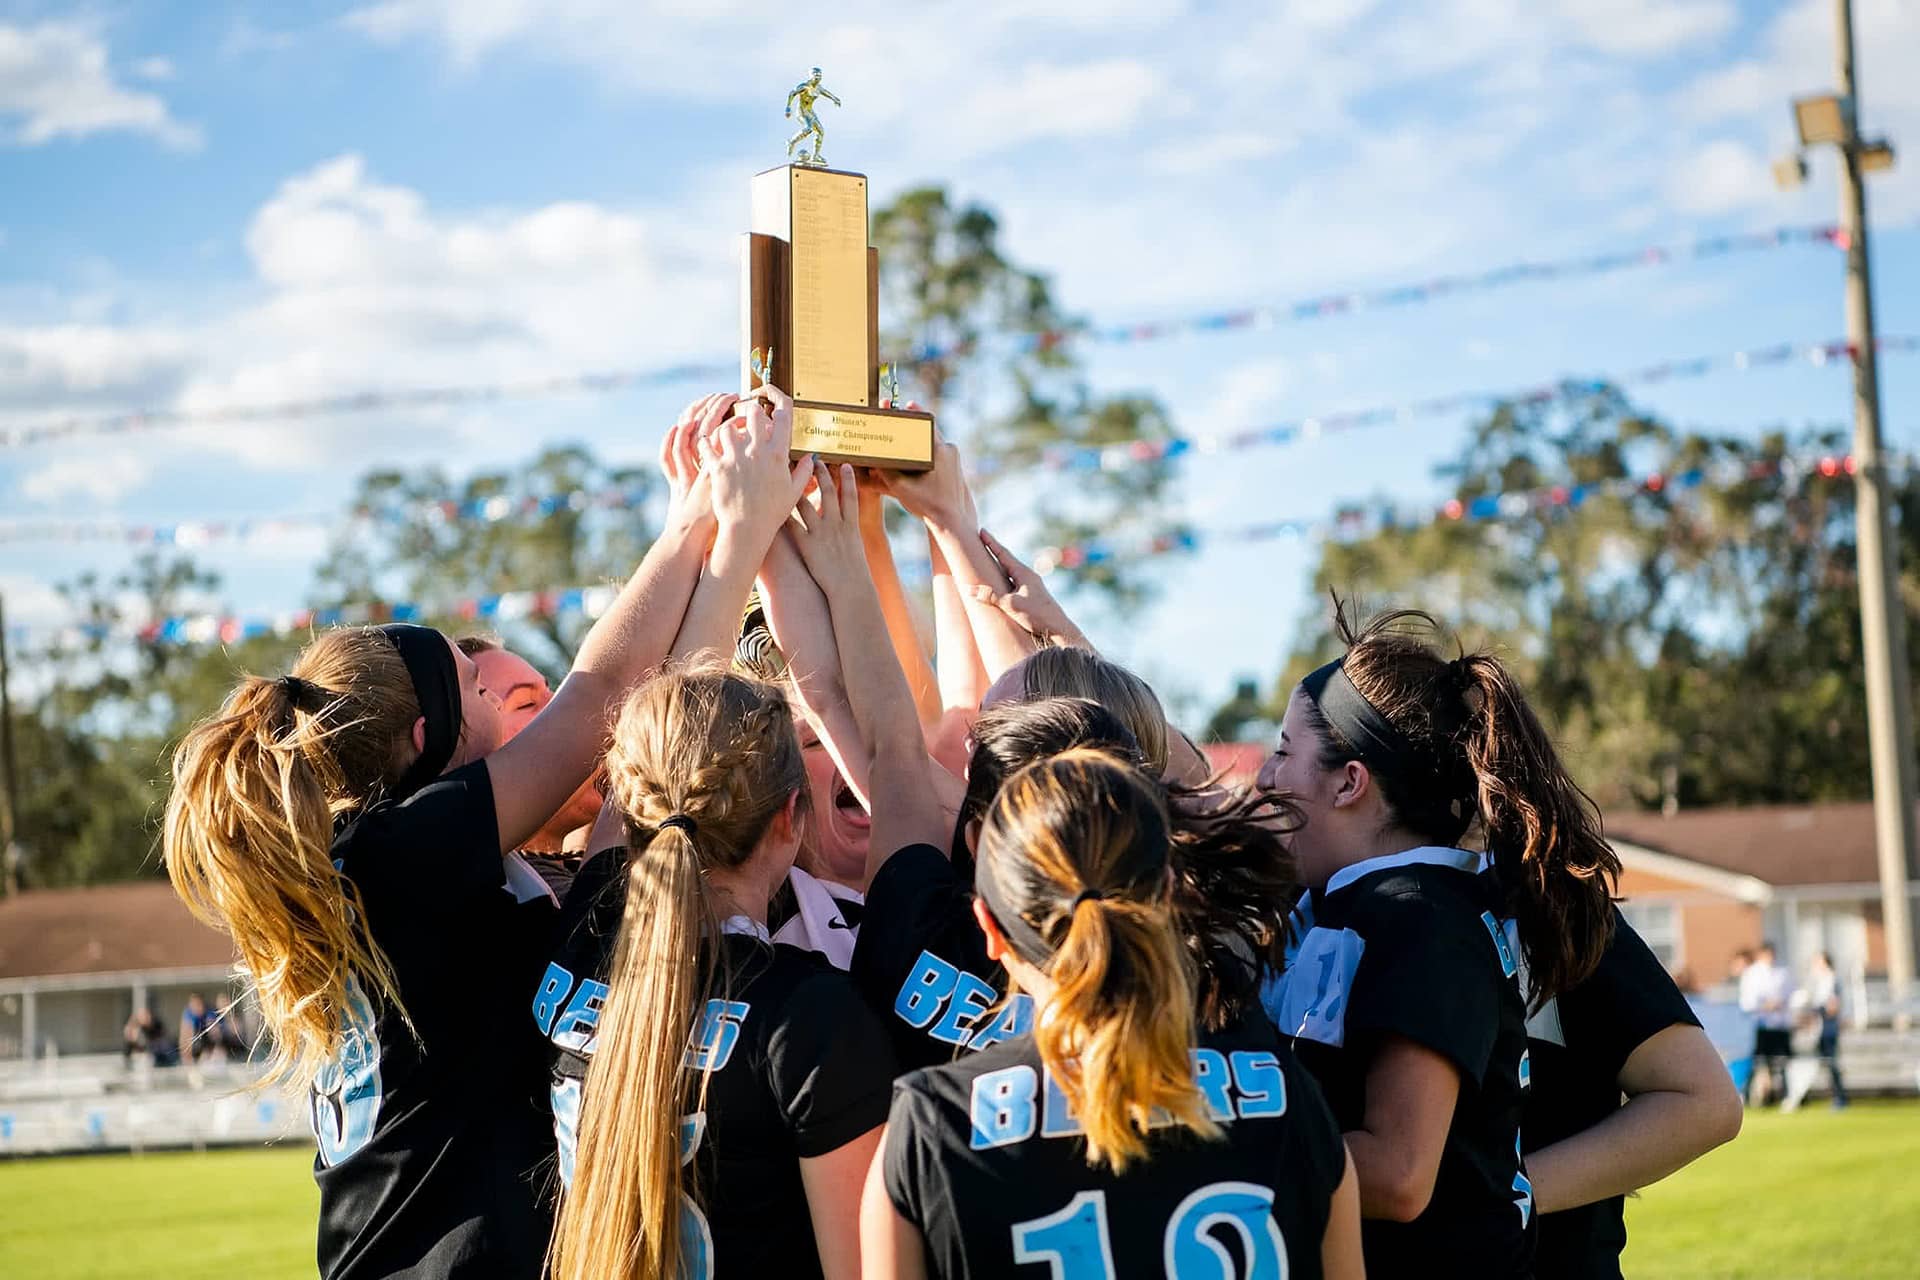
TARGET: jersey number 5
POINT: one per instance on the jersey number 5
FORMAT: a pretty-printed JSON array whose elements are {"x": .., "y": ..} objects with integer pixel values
[{"x": 1074, "y": 1242}]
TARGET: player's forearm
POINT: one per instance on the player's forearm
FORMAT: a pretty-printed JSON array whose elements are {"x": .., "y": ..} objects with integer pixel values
[
  {"x": 963, "y": 678},
  {"x": 713, "y": 615},
  {"x": 798, "y": 615},
  {"x": 898, "y": 612},
  {"x": 637, "y": 630},
  {"x": 1000, "y": 641},
  {"x": 1641, "y": 1143}
]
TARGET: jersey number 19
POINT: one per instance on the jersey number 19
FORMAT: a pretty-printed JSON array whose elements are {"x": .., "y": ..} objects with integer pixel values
[{"x": 1074, "y": 1241}]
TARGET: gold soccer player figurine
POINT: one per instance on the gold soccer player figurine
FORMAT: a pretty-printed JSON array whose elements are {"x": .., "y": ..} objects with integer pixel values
[
  {"x": 762, "y": 367},
  {"x": 808, "y": 91}
]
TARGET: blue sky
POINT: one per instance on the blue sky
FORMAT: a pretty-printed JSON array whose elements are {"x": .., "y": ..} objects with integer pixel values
[{"x": 220, "y": 203}]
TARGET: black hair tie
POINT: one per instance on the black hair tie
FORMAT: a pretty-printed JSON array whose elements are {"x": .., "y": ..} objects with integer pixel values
[
  {"x": 1086, "y": 895},
  {"x": 680, "y": 822},
  {"x": 296, "y": 689}
]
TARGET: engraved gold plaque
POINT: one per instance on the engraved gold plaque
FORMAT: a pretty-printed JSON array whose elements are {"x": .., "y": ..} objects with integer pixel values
[{"x": 810, "y": 300}]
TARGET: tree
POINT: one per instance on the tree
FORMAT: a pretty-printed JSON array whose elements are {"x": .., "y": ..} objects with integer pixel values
[
  {"x": 992, "y": 356},
  {"x": 94, "y": 743},
  {"x": 1691, "y": 640},
  {"x": 564, "y": 520}
]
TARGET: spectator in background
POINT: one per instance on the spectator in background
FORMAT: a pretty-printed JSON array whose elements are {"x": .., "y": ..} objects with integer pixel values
[
  {"x": 146, "y": 1034},
  {"x": 229, "y": 1030},
  {"x": 1765, "y": 988},
  {"x": 1823, "y": 998},
  {"x": 196, "y": 1029}
]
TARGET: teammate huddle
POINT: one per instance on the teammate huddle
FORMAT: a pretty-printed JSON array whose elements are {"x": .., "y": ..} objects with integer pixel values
[{"x": 880, "y": 966}]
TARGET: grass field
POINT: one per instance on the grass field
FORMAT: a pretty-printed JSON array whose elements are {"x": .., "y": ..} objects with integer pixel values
[{"x": 1816, "y": 1194}]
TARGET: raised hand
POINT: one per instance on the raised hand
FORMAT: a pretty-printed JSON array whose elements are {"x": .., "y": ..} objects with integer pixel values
[
  {"x": 1028, "y": 601},
  {"x": 689, "y": 493},
  {"x": 941, "y": 496},
  {"x": 745, "y": 459},
  {"x": 828, "y": 534}
]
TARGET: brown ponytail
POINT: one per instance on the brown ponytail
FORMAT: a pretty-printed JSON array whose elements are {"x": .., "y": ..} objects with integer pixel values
[
  {"x": 701, "y": 762},
  {"x": 1074, "y": 866},
  {"x": 249, "y": 829},
  {"x": 1475, "y": 755}
]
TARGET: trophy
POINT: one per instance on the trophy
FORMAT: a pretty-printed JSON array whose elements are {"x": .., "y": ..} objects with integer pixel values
[{"x": 810, "y": 307}]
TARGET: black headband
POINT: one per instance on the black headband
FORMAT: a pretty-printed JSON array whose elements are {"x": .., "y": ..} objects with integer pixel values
[
  {"x": 1021, "y": 936},
  {"x": 1385, "y": 750},
  {"x": 436, "y": 685},
  {"x": 1370, "y": 734}
]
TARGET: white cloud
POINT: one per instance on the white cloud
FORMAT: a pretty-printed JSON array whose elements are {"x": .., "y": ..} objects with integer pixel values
[
  {"x": 366, "y": 285},
  {"x": 104, "y": 478},
  {"x": 1209, "y": 153},
  {"x": 153, "y": 69},
  {"x": 55, "y": 83},
  {"x": 77, "y": 364},
  {"x": 1647, "y": 27},
  {"x": 1720, "y": 177}
]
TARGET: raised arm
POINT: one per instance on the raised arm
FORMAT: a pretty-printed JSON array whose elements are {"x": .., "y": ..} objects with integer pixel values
[
  {"x": 1034, "y": 609},
  {"x": 754, "y": 487},
  {"x": 535, "y": 772},
  {"x": 907, "y": 809},
  {"x": 894, "y": 606},
  {"x": 797, "y": 614},
  {"x": 942, "y": 499}
]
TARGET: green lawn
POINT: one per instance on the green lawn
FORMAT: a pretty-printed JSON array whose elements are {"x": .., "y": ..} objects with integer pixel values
[
  {"x": 1817, "y": 1193},
  {"x": 225, "y": 1214},
  {"x": 1807, "y": 1195}
]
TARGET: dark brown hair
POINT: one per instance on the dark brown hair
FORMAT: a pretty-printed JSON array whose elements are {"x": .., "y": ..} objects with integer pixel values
[
  {"x": 1234, "y": 880},
  {"x": 1473, "y": 739}
]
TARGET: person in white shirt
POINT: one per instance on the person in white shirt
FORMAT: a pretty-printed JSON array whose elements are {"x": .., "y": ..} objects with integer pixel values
[
  {"x": 1823, "y": 999},
  {"x": 1765, "y": 988}
]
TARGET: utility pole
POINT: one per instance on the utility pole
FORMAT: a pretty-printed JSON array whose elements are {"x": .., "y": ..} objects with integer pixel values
[
  {"x": 1835, "y": 119},
  {"x": 9, "y": 778},
  {"x": 1883, "y": 617}
]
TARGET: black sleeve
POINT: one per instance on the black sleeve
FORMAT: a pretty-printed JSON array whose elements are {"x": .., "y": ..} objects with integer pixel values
[
  {"x": 1320, "y": 1139},
  {"x": 1430, "y": 973},
  {"x": 905, "y": 1162},
  {"x": 1629, "y": 999},
  {"x": 915, "y": 903},
  {"x": 440, "y": 844},
  {"x": 830, "y": 1063}
]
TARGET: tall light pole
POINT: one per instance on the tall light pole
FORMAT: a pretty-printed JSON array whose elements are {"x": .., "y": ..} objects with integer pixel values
[{"x": 1834, "y": 118}]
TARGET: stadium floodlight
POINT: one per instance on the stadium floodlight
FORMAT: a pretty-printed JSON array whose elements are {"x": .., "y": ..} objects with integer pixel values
[
  {"x": 1821, "y": 120},
  {"x": 1876, "y": 156},
  {"x": 1790, "y": 171}
]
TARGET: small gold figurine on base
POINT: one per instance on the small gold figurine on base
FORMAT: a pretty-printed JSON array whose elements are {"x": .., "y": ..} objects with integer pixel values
[
  {"x": 808, "y": 91},
  {"x": 762, "y": 367},
  {"x": 890, "y": 383}
]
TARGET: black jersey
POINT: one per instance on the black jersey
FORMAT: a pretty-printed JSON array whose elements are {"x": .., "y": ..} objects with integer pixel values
[
  {"x": 921, "y": 962},
  {"x": 431, "y": 1135},
  {"x": 799, "y": 1067},
  {"x": 1412, "y": 944},
  {"x": 981, "y": 1157},
  {"x": 1578, "y": 1042}
]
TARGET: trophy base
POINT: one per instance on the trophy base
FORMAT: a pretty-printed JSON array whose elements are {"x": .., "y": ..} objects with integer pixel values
[{"x": 892, "y": 439}]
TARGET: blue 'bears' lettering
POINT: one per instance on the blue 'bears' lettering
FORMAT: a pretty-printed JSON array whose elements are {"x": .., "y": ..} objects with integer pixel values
[
  {"x": 948, "y": 1004},
  {"x": 1002, "y": 1107},
  {"x": 1246, "y": 1085}
]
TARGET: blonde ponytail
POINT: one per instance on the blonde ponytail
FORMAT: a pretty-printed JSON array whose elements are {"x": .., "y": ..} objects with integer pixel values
[
  {"x": 701, "y": 762},
  {"x": 249, "y": 829}
]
